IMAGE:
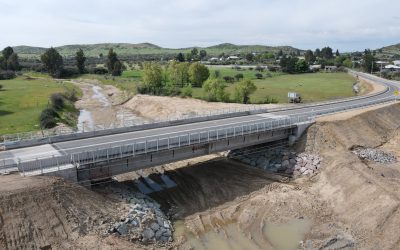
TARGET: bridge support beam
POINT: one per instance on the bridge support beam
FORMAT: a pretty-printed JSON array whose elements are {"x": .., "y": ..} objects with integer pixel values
[{"x": 105, "y": 170}]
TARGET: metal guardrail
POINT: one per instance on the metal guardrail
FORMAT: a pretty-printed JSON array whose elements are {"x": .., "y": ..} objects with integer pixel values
[{"x": 153, "y": 145}]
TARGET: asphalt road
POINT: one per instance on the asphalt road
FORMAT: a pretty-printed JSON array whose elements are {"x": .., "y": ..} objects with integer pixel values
[{"x": 70, "y": 147}]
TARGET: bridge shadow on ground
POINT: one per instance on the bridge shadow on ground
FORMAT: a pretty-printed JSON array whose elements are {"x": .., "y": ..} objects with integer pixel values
[{"x": 208, "y": 184}]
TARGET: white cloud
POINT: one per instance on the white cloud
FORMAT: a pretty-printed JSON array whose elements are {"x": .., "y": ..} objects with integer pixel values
[{"x": 343, "y": 24}]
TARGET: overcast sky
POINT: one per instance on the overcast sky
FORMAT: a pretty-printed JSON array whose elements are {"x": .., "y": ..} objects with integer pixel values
[{"x": 343, "y": 24}]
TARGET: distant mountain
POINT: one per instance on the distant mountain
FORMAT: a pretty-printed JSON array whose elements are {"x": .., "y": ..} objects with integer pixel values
[
  {"x": 392, "y": 49},
  {"x": 127, "y": 49}
]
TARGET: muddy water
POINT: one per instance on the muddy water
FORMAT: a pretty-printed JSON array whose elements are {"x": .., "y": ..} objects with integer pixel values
[
  {"x": 98, "y": 112},
  {"x": 277, "y": 236}
]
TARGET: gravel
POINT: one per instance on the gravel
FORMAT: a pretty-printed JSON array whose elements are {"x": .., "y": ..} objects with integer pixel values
[{"x": 375, "y": 155}]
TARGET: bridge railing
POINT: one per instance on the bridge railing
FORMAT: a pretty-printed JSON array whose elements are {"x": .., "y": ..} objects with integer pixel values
[{"x": 150, "y": 145}]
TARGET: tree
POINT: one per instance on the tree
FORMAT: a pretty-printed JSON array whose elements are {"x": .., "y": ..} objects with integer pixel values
[
  {"x": 117, "y": 70},
  {"x": 302, "y": 66},
  {"x": 288, "y": 64},
  {"x": 337, "y": 53},
  {"x": 13, "y": 62},
  {"x": 317, "y": 53},
  {"x": 180, "y": 57},
  {"x": 203, "y": 54},
  {"x": 369, "y": 64},
  {"x": 215, "y": 90},
  {"x": 178, "y": 73},
  {"x": 80, "y": 61},
  {"x": 198, "y": 73},
  {"x": 309, "y": 56},
  {"x": 7, "y": 52},
  {"x": 243, "y": 90},
  {"x": 249, "y": 57},
  {"x": 152, "y": 77},
  {"x": 53, "y": 62},
  {"x": 348, "y": 63},
  {"x": 111, "y": 60},
  {"x": 327, "y": 53},
  {"x": 194, "y": 52}
]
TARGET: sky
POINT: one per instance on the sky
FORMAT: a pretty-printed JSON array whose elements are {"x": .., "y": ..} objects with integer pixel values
[{"x": 347, "y": 25}]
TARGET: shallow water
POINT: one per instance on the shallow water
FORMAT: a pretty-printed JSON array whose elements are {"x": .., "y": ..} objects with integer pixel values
[
  {"x": 280, "y": 237},
  {"x": 85, "y": 121},
  {"x": 98, "y": 95}
]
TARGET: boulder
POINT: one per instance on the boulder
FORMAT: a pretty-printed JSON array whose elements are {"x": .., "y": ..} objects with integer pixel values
[
  {"x": 148, "y": 234},
  {"x": 122, "y": 229}
]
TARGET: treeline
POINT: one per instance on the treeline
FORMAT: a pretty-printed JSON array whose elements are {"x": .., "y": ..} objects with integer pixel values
[{"x": 179, "y": 78}]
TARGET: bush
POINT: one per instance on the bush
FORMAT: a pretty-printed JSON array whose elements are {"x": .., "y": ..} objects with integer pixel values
[
  {"x": 229, "y": 79},
  {"x": 7, "y": 74},
  {"x": 98, "y": 71},
  {"x": 57, "y": 101},
  {"x": 69, "y": 71},
  {"x": 187, "y": 91},
  {"x": 1, "y": 87},
  {"x": 48, "y": 118},
  {"x": 239, "y": 77},
  {"x": 259, "y": 76},
  {"x": 260, "y": 69}
]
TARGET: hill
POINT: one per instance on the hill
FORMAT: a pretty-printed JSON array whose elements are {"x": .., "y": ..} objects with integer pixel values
[
  {"x": 127, "y": 49},
  {"x": 389, "y": 52}
]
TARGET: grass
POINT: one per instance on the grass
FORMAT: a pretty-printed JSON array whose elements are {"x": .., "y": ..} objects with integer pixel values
[
  {"x": 22, "y": 100},
  {"x": 313, "y": 87}
]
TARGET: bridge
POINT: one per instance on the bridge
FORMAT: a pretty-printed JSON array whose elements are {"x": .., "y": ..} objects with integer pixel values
[{"x": 96, "y": 155}]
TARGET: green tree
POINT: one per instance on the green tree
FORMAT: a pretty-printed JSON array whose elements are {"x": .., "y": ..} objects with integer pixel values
[
  {"x": 301, "y": 66},
  {"x": 178, "y": 73},
  {"x": 13, "y": 62},
  {"x": 337, "y": 53},
  {"x": 347, "y": 63},
  {"x": 194, "y": 52},
  {"x": 288, "y": 64},
  {"x": 249, "y": 57},
  {"x": 369, "y": 62},
  {"x": 243, "y": 90},
  {"x": 203, "y": 54},
  {"x": 153, "y": 77},
  {"x": 327, "y": 53},
  {"x": 7, "y": 52},
  {"x": 180, "y": 57},
  {"x": 112, "y": 58},
  {"x": 198, "y": 73},
  {"x": 53, "y": 62},
  {"x": 318, "y": 53},
  {"x": 309, "y": 56},
  {"x": 187, "y": 91},
  {"x": 215, "y": 90},
  {"x": 117, "y": 70},
  {"x": 80, "y": 61}
]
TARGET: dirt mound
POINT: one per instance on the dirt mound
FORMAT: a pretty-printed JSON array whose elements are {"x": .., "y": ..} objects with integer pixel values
[
  {"x": 156, "y": 107},
  {"x": 47, "y": 213}
]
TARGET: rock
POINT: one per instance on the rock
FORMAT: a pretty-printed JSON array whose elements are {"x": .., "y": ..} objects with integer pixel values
[
  {"x": 285, "y": 163},
  {"x": 148, "y": 234},
  {"x": 122, "y": 229},
  {"x": 154, "y": 226},
  {"x": 167, "y": 233},
  {"x": 311, "y": 167},
  {"x": 158, "y": 234},
  {"x": 166, "y": 224},
  {"x": 303, "y": 169},
  {"x": 339, "y": 242},
  {"x": 164, "y": 239},
  {"x": 292, "y": 161}
]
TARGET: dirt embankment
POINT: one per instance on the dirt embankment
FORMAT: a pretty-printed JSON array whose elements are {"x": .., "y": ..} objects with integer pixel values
[
  {"x": 47, "y": 213},
  {"x": 163, "y": 107}
]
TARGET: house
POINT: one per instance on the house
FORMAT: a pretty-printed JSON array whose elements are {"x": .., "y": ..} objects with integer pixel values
[
  {"x": 330, "y": 68},
  {"x": 315, "y": 67},
  {"x": 392, "y": 67},
  {"x": 214, "y": 59},
  {"x": 396, "y": 62},
  {"x": 233, "y": 58}
]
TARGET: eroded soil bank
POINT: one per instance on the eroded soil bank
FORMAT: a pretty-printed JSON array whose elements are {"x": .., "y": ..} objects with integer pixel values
[{"x": 217, "y": 203}]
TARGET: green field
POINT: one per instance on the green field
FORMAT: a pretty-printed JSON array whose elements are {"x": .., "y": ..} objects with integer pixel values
[
  {"x": 22, "y": 100},
  {"x": 313, "y": 87}
]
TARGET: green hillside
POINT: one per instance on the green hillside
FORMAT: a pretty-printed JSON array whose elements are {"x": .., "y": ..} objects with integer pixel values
[{"x": 126, "y": 49}]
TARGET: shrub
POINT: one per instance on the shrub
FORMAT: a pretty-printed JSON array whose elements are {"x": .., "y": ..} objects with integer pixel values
[
  {"x": 57, "y": 101},
  {"x": 7, "y": 74},
  {"x": 187, "y": 91},
  {"x": 239, "y": 77},
  {"x": 1, "y": 87},
  {"x": 229, "y": 79},
  {"x": 259, "y": 76},
  {"x": 69, "y": 71},
  {"x": 260, "y": 69},
  {"x": 98, "y": 71},
  {"x": 48, "y": 118}
]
